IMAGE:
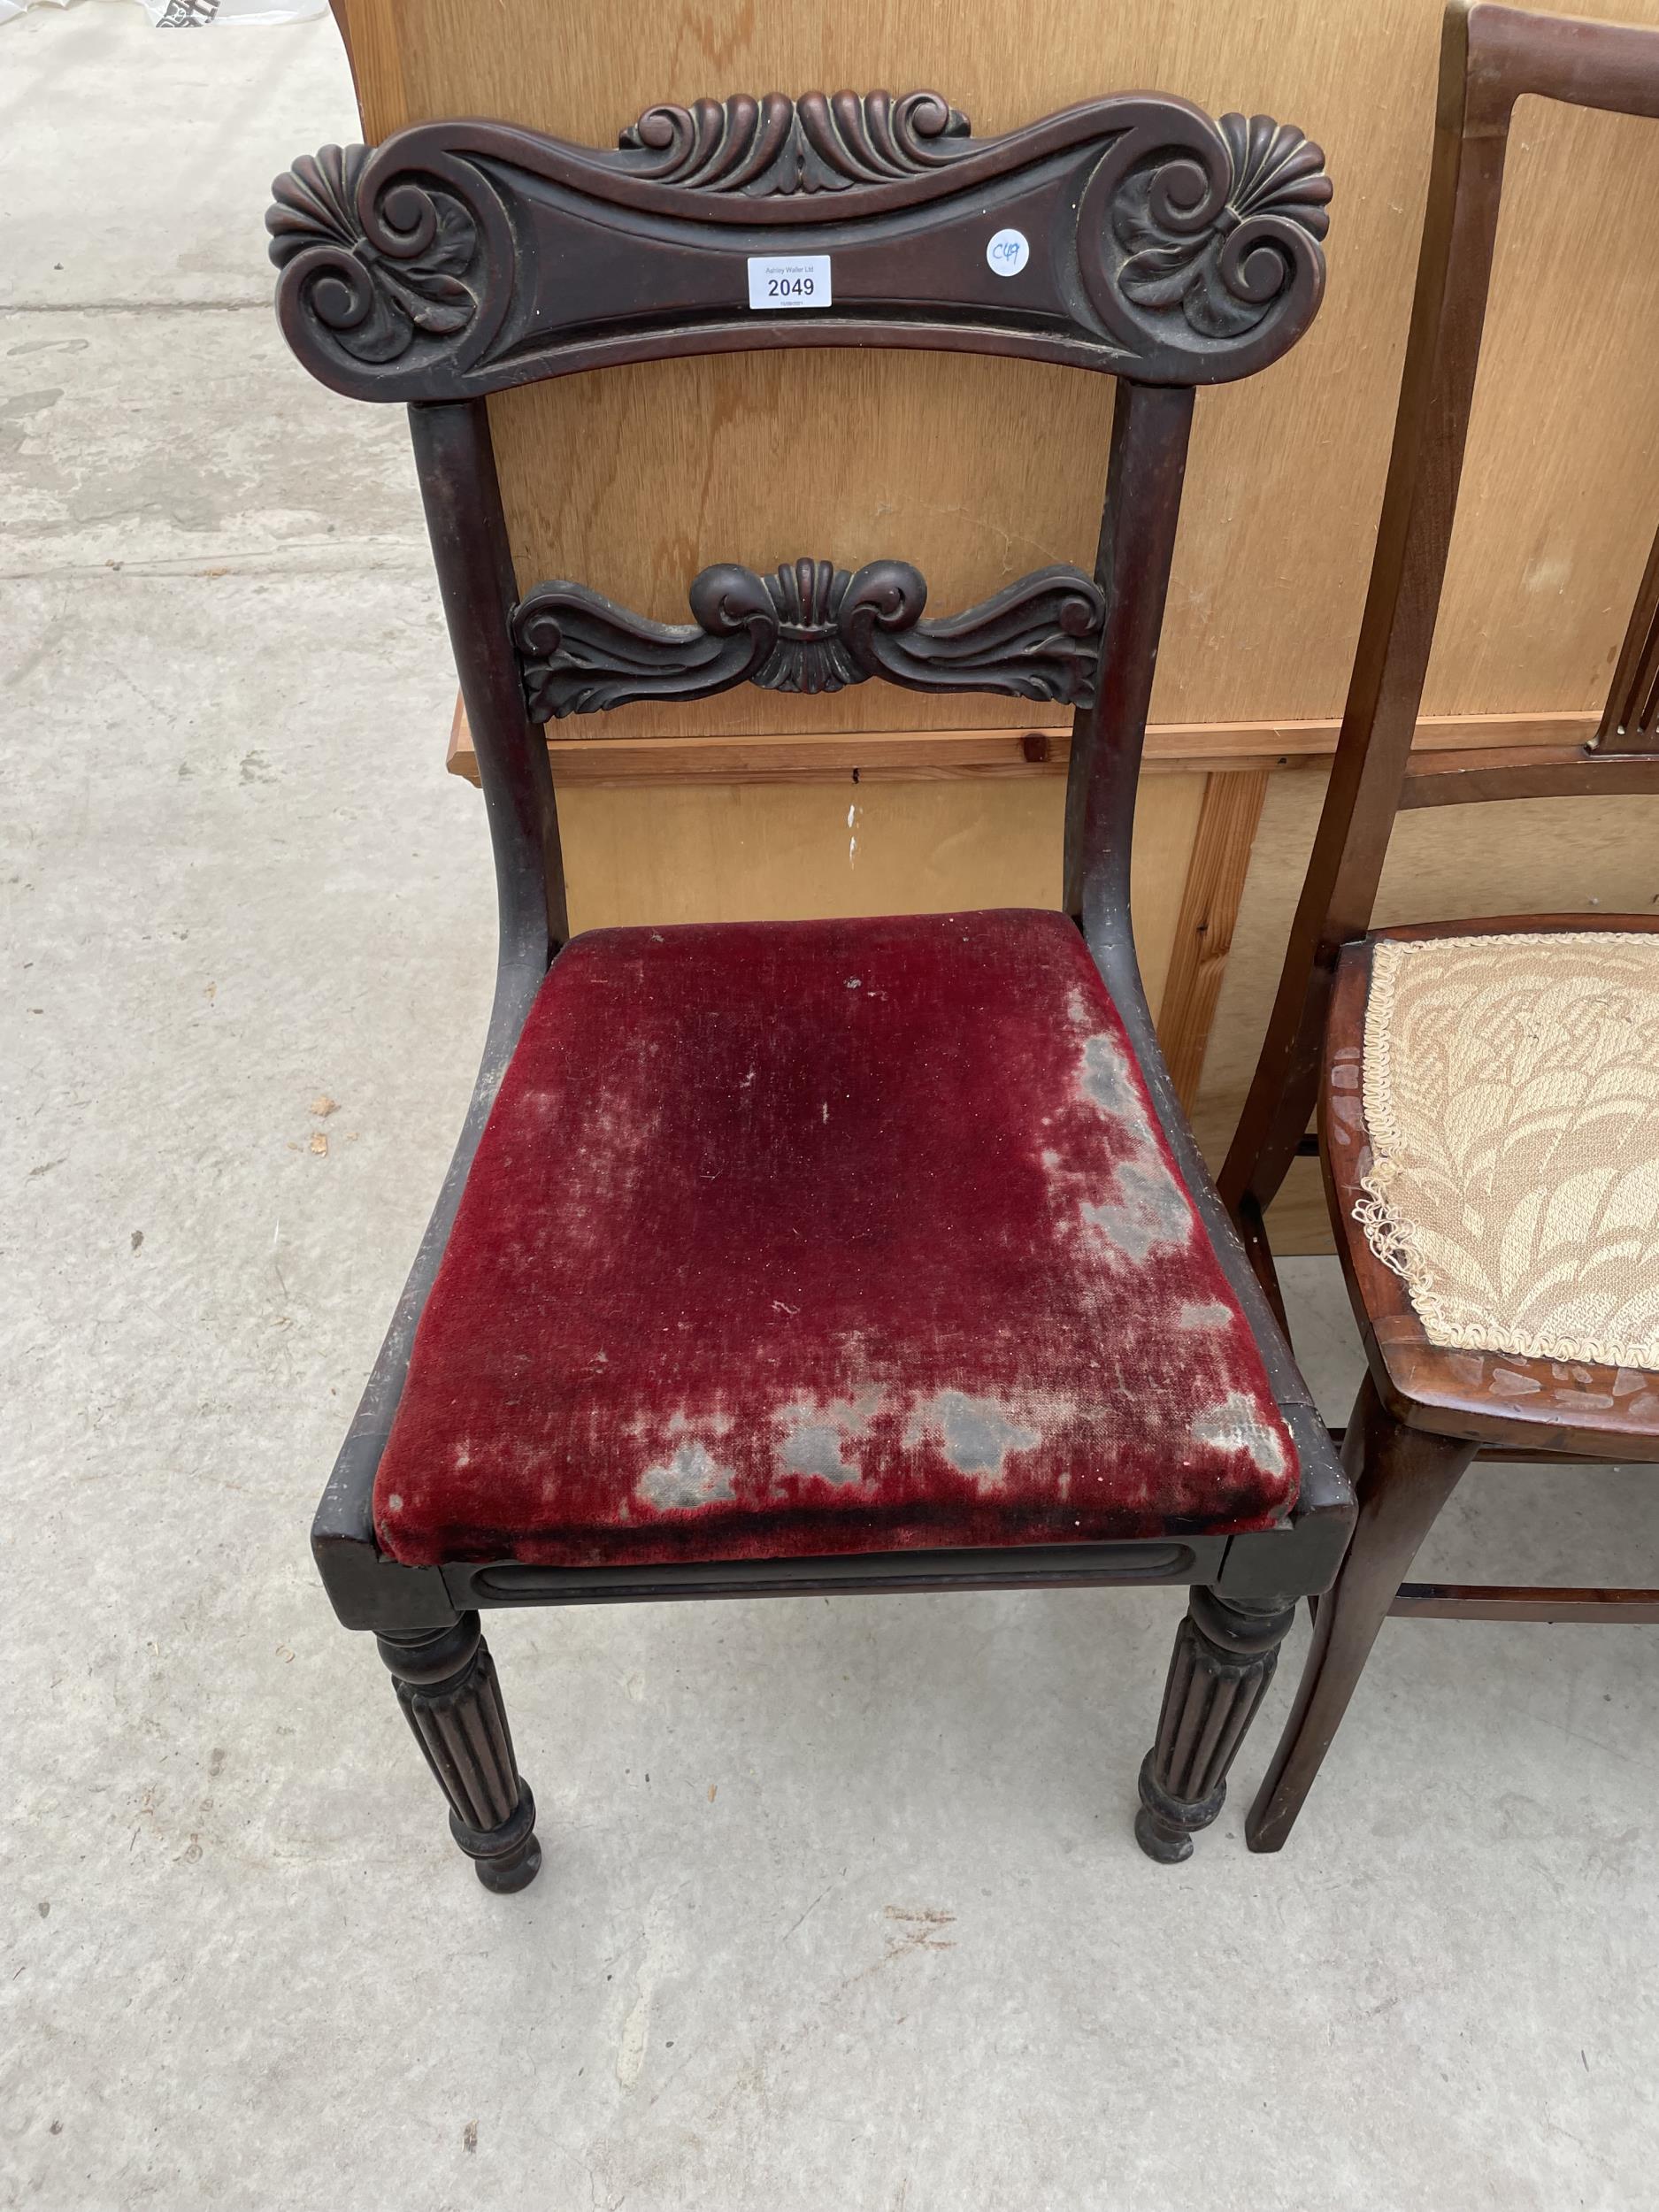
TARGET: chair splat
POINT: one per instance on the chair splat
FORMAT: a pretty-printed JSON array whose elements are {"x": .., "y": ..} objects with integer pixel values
[{"x": 809, "y": 626}]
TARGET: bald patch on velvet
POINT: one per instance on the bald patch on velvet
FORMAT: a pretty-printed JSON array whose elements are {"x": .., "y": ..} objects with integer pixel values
[
  {"x": 692, "y": 1476},
  {"x": 1209, "y": 1314},
  {"x": 815, "y": 1440},
  {"x": 976, "y": 1435},
  {"x": 1237, "y": 1426}
]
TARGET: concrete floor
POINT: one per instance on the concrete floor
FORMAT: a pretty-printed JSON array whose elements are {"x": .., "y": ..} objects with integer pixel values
[{"x": 841, "y": 1905}]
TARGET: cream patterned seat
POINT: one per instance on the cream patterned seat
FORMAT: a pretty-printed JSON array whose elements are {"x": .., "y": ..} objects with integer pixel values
[
  {"x": 1490, "y": 1131},
  {"x": 1511, "y": 1101}
]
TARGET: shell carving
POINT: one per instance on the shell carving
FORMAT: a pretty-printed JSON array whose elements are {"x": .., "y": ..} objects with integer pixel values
[
  {"x": 1224, "y": 269},
  {"x": 810, "y": 656},
  {"x": 825, "y": 142},
  {"x": 375, "y": 298}
]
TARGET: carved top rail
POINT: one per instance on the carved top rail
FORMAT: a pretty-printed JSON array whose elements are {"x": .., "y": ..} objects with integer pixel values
[{"x": 1129, "y": 234}]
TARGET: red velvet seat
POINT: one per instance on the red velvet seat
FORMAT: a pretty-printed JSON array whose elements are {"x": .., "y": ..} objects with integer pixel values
[{"x": 825, "y": 1237}]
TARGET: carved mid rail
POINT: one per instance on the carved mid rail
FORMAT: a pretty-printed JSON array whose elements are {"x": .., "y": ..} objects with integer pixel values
[{"x": 810, "y": 627}]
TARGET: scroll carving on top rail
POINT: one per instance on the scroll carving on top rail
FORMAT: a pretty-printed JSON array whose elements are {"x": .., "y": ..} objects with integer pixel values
[
  {"x": 1223, "y": 270},
  {"x": 810, "y": 627},
  {"x": 463, "y": 258},
  {"x": 399, "y": 276}
]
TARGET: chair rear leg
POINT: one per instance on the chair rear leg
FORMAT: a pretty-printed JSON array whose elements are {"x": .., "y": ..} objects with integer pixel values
[
  {"x": 1225, "y": 1651},
  {"x": 446, "y": 1684},
  {"x": 1402, "y": 1478}
]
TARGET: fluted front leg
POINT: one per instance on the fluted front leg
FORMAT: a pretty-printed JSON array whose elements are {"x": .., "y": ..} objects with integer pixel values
[
  {"x": 1225, "y": 1651},
  {"x": 446, "y": 1684}
]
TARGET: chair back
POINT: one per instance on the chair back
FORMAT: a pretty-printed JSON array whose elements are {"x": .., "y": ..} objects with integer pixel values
[
  {"x": 1129, "y": 235},
  {"x": 1491, "y": 56}
]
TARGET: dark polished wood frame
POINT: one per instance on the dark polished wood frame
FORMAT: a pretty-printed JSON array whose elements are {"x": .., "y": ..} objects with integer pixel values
[
  {"x": 1166, "y": 251},
  {"x": 1425, "y": 1413}
]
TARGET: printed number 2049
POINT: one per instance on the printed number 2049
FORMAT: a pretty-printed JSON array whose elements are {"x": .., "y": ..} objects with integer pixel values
[{"x": 791, "y": 280}]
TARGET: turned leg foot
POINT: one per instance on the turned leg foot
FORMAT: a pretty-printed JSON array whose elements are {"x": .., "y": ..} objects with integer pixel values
[
  {"x": 1402, "y": 1477},
  {"x": 446, "y": 1684},
  {"x": 1225, "y": 1651}
]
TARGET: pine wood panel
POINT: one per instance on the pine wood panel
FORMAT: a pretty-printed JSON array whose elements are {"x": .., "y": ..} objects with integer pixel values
[
  {"x": 977, "y": 470},
  {"x": 1040, "y": 750},
  {"x": 1202, "y": 935}
]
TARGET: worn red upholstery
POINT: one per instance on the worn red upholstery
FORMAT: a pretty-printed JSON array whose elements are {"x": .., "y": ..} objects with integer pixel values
[{"x": 811, "y": 1237}]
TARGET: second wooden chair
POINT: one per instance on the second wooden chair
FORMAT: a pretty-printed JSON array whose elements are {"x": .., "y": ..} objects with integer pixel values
[{"x": 1488, "y": 1090}]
